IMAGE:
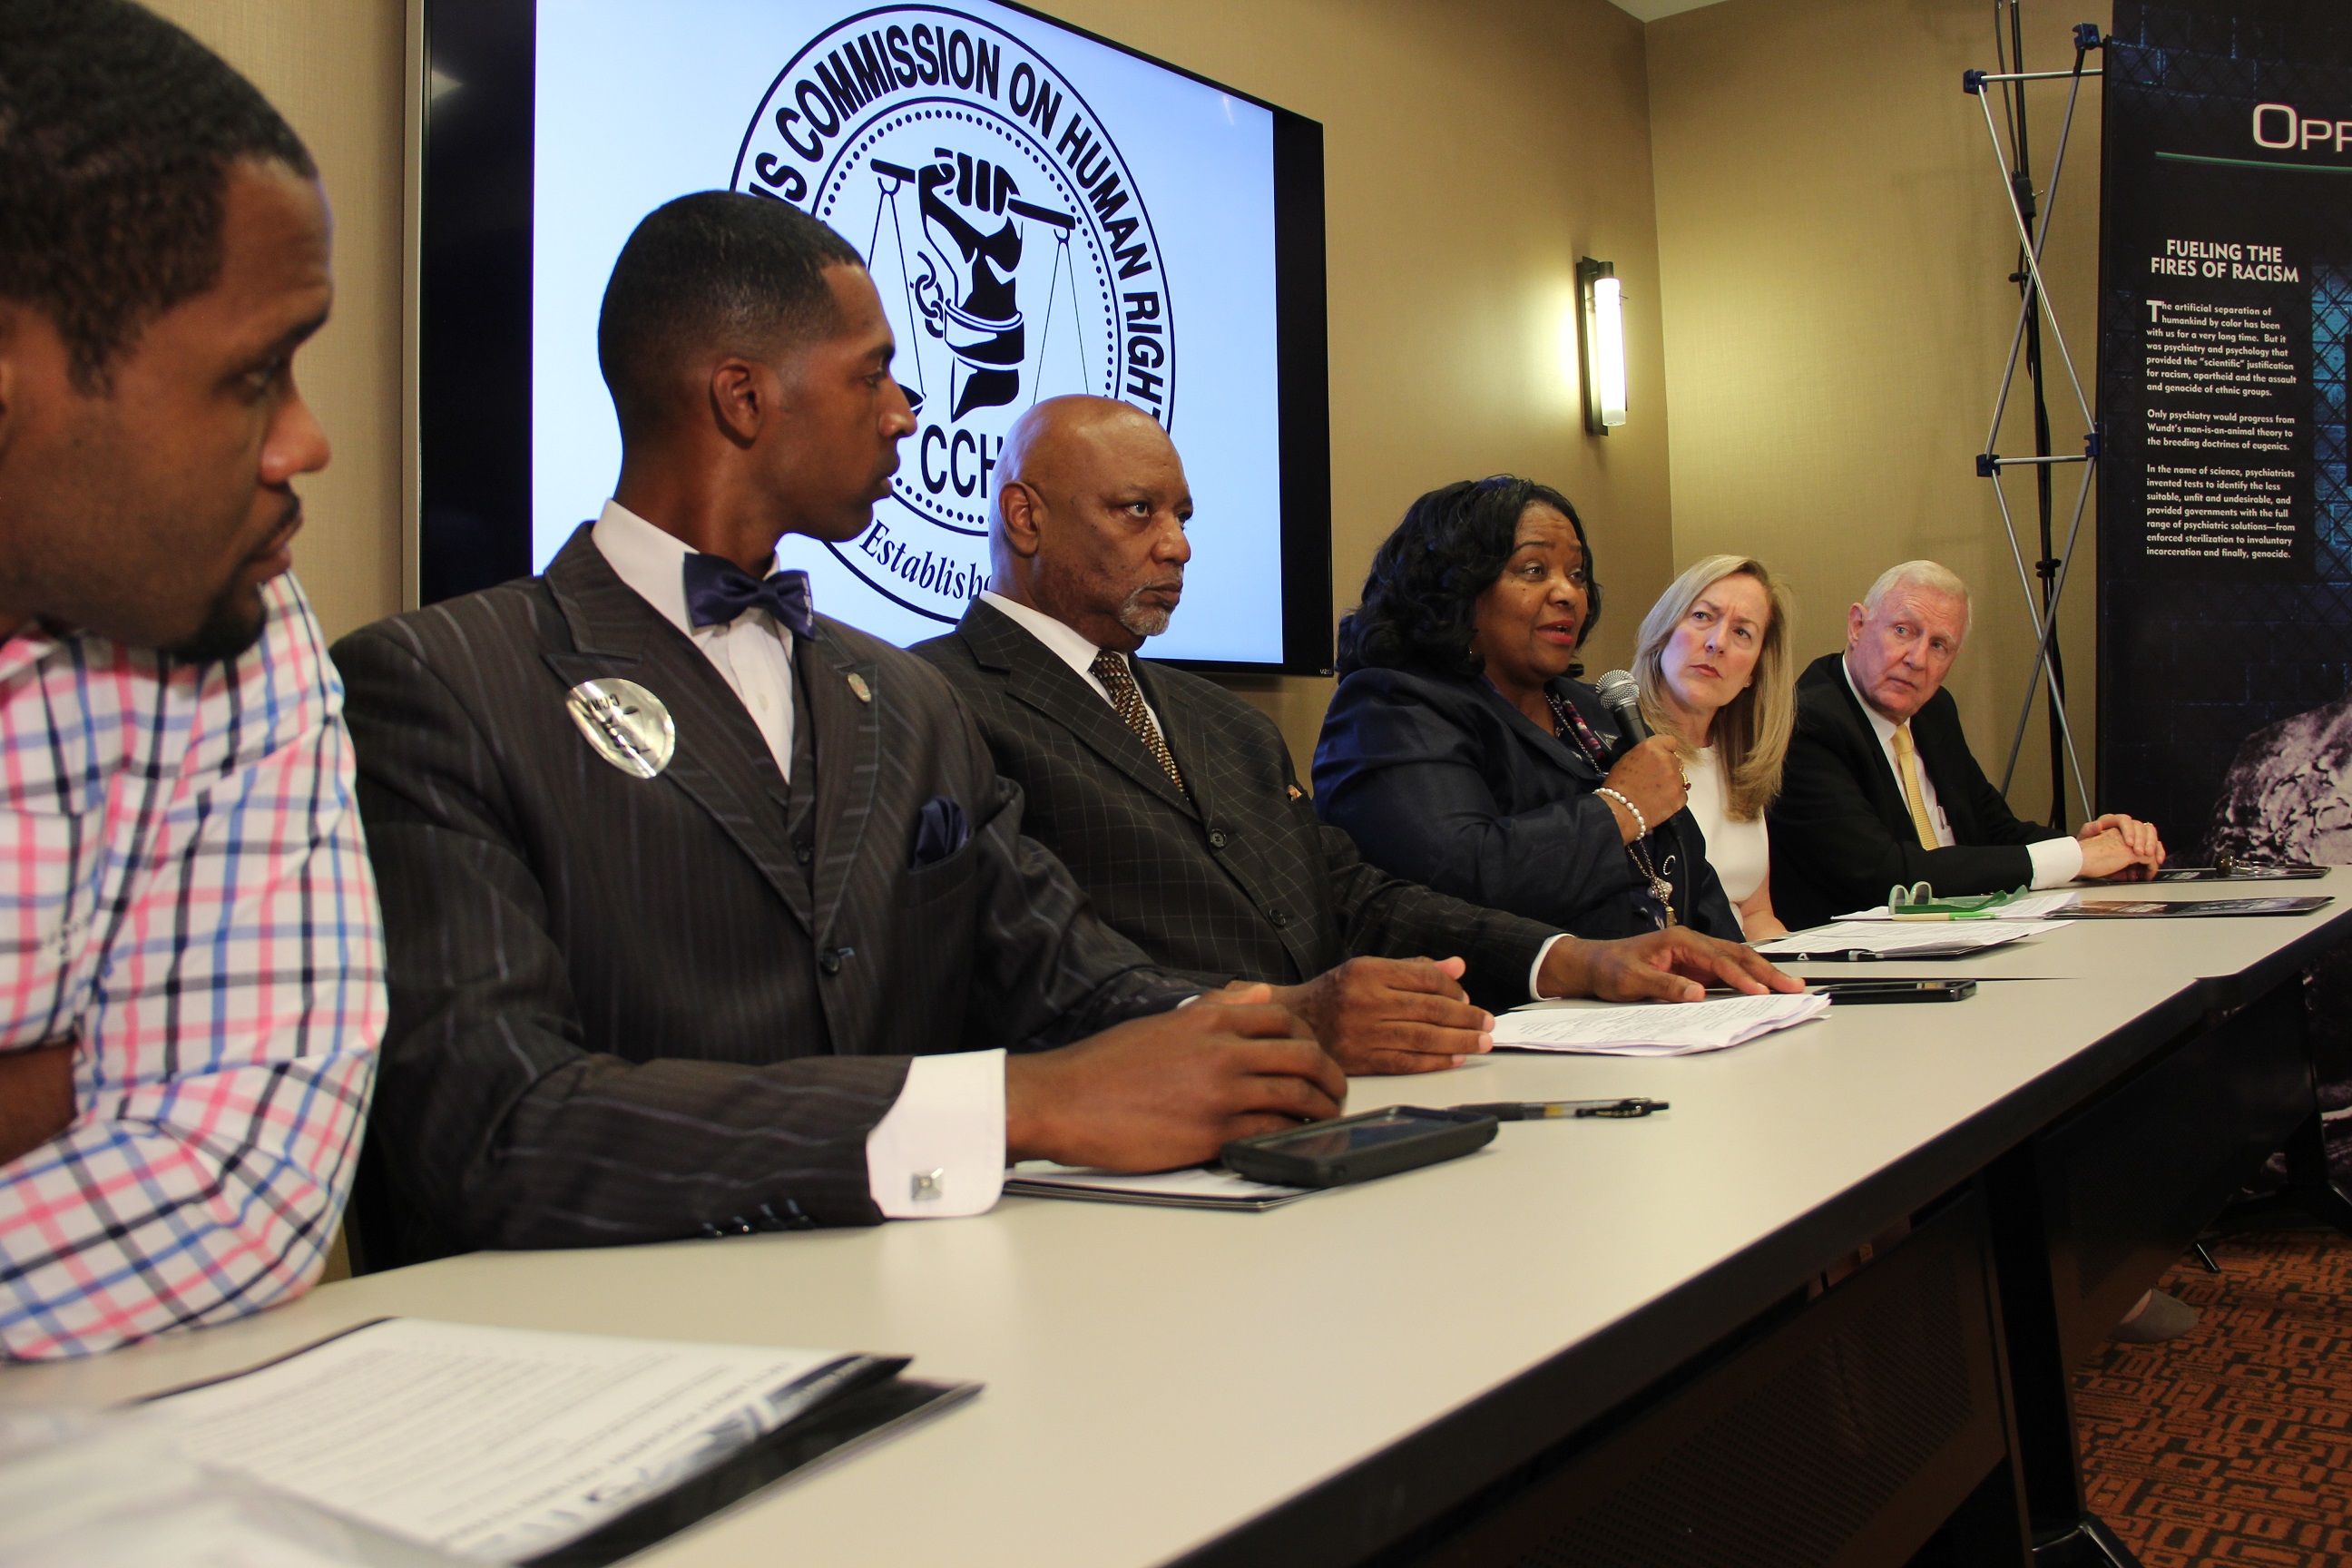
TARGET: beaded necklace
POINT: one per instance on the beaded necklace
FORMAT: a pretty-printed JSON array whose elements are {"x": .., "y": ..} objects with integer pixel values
[{"x": 1569, "y": 724}]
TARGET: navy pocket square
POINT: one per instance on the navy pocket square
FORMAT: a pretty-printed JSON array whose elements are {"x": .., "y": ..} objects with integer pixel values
[{"x": 939, "y": 831}]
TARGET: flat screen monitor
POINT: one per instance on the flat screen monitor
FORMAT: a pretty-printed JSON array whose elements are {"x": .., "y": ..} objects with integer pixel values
[{"x": 1042, "y": 211}]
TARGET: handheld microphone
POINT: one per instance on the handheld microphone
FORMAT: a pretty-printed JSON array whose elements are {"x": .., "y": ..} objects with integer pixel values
[{"x": 1622, "y": 695}]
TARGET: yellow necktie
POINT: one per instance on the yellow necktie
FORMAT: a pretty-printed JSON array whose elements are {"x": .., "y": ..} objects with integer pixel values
[{"x": 1907, "y": 770}]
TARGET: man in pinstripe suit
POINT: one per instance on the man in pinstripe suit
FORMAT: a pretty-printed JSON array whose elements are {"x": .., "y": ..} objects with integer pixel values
[
  {"x": 707, "y": 913},
  {"x": 1174, "y": 801}
]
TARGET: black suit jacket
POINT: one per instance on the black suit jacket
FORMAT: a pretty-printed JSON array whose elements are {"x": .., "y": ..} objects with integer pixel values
[
  {"x": 625, "y": 1009},
  {"x": 1441, "y": 781},
  {"x": 1841, "y": 833},
  {"x": 1234, "y": 881}
]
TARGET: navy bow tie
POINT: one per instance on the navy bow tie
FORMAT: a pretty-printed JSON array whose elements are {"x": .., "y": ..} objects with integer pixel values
[{"x": 716, "y": 591}]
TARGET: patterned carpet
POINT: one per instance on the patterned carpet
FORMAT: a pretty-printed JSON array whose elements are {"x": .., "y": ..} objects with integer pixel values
[{"x": 2233, "y": 1443}]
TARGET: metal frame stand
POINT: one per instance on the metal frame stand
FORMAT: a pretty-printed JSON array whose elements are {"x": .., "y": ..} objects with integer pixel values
[
  {"x": 2081, "y": 1537},
  {"x": 2051, "y": 565}
]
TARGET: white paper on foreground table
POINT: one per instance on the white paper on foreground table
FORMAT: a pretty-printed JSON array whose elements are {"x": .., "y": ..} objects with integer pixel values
[
  {"x": 492, "y": 1444},
  {"x": 1656, "y": 1029},
  {"x": 81, "y": 1488},
  {"x": 1904, "y": 936}
]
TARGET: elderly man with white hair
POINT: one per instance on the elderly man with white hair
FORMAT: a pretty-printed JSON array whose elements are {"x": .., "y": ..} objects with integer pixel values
[{"x": 1880, "y": 788}]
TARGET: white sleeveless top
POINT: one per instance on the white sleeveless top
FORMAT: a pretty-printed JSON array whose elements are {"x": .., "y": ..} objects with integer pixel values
[{"x": 1740, "y": 851}]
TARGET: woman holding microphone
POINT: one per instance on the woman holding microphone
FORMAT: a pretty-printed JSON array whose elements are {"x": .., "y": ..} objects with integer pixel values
[{"x": 1460, "y": 753}]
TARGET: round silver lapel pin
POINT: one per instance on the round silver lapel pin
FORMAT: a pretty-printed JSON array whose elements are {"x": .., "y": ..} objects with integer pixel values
[
  {"x": 857, "y": 684},
  {"x": 627, "y": 725}
]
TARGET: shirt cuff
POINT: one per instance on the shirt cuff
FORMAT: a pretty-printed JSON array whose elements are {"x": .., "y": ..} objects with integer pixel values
[
  {"x": 2056, "y": 862},
  {"x": 939, "y": 1153},
  {"x": 1535, "y": 969}
]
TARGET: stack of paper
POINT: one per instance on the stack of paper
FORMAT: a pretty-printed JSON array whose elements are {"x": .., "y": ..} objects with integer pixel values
[
  {"x": 498, "y": 1444},
  {"x": 1919, "y": 939},
  {"x": 1656, "y": 1029},
  {"x": 107, "y": 1489}
]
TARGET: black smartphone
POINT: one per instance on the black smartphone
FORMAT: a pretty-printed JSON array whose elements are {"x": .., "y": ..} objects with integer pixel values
[
  {"x": 1847, "y": 992},
  {"x": 1358, "y": 1148}
]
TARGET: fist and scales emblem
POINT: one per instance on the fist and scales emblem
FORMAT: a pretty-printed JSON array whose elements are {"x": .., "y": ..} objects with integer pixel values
[{"x": 1007, "y": 240}]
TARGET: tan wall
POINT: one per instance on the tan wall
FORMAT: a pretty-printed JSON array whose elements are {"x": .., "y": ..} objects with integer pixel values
[
  {"x": 335, "y": 68},
  {"x": 1834, "y": 242},
  {"x": 1824, "y": 204},
  {"x": 1473, "y": 149}
]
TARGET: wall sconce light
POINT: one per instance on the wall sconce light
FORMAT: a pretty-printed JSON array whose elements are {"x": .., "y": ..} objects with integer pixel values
[{"x": 1602, "y": 341}]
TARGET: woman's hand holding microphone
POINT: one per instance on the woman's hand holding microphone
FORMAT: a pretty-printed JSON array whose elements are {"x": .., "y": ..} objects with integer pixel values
[{"x": 1653, "y": 785}]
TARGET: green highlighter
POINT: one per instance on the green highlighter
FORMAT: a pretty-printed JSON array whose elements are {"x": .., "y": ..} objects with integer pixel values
[{"x": 1919, "y": 903}]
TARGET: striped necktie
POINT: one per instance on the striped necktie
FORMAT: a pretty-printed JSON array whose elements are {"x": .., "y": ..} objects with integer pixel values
[
  {"x": 1110, "y": 669},
  {"x": 1907, "y": 772}
]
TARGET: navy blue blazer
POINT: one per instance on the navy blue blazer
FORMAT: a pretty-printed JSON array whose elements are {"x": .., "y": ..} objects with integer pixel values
[{"x": 1441, "y": 781}]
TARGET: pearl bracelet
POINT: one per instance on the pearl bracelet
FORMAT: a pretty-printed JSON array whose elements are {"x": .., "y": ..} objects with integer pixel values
[{"x": 1641, "y": 824}]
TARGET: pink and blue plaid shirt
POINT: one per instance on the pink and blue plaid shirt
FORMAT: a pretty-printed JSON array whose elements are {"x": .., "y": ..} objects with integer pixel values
[{"x": 187, "y": 896}]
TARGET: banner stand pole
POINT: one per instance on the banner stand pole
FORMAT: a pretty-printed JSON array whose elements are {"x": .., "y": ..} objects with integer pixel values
[
  {"x": 2065, "y": 1531},
  {"x": 2051, "y": 564},
  {"x": 2046, "y": 630}
]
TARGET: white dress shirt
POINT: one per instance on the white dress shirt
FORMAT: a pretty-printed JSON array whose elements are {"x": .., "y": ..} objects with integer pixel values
[
  {"x": 2056, "y": 862},
  {"x": 1740, "y": 852},
  {"x": 1070, "y": 645},
  {"x": 940, "y": 1151}
]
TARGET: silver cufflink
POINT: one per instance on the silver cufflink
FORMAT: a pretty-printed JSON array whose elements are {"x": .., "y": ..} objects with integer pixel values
[{"x": 927, "y": 1186}]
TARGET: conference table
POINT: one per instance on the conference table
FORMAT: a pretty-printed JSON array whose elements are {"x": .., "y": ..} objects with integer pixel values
[
  {"x": 2092, "y": 1208},
  {"x": 2238, "y": 950},
  {"x": 1600, "y": 1342}
]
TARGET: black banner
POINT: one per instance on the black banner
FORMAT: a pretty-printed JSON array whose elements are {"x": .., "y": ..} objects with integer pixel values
[{"x": 2225, "y": 528}]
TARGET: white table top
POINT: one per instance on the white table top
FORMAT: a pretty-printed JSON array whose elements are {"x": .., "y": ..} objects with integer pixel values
[
  {"x": 1158, "y": 1377},
  {"x": 2188, "y": 949}
]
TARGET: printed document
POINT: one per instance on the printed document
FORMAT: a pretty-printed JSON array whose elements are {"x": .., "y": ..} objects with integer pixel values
[
  {"x": 1946, "y": 938},
  {"x": 1656, "y": 1029},
  {"x": 493, "y": 1443},
  {"x": 83, "y": 1488}
]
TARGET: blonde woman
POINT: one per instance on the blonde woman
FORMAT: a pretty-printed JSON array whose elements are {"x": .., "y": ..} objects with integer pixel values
[{"x": 1713, "y": 663}]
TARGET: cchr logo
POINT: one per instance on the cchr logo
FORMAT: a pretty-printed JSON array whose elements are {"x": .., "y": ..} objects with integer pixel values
[{"x": 1010, "y": 245}]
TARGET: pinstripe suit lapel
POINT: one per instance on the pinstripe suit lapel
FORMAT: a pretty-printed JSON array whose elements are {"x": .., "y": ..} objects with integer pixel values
[
  {"x": 721, "y": 762},
  {"x": 848, "y": 737},
  {"x": 1036, "y": 678}
]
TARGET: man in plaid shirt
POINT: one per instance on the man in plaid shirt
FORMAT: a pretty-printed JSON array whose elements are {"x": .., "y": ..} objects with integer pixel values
[{"x": 191, "y": 977}]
